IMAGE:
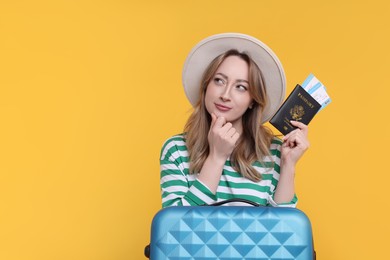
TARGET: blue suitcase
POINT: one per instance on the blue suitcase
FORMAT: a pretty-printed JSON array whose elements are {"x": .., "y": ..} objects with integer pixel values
[{"x": 234, "y": 232}]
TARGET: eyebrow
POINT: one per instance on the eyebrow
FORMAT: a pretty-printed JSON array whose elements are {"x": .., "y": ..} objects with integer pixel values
[{"x": 226, "y": 77}]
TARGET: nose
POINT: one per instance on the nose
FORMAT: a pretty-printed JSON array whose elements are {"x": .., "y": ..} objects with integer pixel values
[{"x": 225, "y": 95}]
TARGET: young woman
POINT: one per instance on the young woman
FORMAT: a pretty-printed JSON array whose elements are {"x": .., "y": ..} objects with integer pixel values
[{"x": 225, "y": 151}]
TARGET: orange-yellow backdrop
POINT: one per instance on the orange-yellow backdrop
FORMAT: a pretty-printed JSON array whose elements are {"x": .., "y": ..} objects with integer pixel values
[{"x": 89, "y": 90}]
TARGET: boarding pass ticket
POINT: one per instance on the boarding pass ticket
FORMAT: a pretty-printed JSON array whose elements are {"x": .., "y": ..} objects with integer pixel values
[{"x": 317, "y": 90}]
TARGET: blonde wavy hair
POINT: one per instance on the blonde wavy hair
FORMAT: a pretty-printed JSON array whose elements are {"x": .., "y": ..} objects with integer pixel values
[{"x": 255, "y": 139}]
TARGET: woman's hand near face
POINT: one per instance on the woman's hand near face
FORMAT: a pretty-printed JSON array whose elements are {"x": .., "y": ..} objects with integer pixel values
[
  {"x": 295, "y": 143},
  {"x": 222, "y": 138}
]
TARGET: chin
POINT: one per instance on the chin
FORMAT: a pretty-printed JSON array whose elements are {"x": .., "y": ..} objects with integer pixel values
[{"x": 220, "y": 114}]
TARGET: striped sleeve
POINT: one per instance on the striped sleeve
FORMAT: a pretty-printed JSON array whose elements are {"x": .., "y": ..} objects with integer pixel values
[
  {"x": 276, "y": 154},
  {"x": 178, "y": 188}
]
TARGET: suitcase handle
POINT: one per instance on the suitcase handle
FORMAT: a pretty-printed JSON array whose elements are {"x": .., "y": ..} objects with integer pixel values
[{"x": 233, "y": 200}]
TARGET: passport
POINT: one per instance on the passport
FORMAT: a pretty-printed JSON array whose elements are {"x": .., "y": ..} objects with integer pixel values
[{"x": 299, "y": 106}]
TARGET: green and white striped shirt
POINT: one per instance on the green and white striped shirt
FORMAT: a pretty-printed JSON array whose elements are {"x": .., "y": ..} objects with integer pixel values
[{"x": 179, "y": 188}]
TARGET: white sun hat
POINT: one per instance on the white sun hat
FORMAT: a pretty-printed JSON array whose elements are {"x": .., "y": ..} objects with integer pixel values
[{"x": 211, "y": 47}]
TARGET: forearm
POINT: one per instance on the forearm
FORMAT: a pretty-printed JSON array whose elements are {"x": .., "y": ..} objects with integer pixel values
[
  {"x": 285, "y": 190},
  {"x": 294, "y": 145},
  {"x": 211, "y": 172}
]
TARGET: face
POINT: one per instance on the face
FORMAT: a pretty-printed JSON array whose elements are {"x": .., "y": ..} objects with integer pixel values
[{"x": 227, "y": 93}]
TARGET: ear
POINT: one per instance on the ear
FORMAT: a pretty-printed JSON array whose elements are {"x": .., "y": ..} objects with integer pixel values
[{"x": 251, "y": 106}]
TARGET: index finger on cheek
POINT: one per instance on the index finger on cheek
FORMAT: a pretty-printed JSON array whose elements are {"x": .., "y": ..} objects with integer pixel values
[{"x": 220, "y": 122}]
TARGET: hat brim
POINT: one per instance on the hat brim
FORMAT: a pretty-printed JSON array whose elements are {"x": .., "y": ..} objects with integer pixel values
[{"x": 208, "y": 49}]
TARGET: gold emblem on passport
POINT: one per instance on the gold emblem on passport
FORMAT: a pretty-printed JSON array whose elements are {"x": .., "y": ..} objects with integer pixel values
[{"x": 297, "y": 112}]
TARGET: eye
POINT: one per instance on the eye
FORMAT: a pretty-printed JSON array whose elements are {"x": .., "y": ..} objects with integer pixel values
[
  {"x": 219, "y": 81},
  {"x": 242, "y": 87}
]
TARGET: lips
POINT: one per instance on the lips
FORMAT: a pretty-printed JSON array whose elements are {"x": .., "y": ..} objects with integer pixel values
[{"x": 222, "y": 108}]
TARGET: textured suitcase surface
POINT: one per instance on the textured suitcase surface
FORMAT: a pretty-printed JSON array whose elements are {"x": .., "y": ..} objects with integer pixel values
[{"x": 234, "y": 232}]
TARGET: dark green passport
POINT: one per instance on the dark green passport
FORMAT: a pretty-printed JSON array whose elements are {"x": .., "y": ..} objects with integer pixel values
[{"x": 299, "y": 106}]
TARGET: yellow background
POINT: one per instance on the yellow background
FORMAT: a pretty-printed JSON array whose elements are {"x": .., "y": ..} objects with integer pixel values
[{"x": 89, "y": 90}]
